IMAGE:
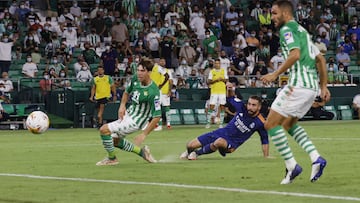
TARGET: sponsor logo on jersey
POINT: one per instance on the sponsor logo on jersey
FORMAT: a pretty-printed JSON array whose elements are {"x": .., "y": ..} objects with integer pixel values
[
  {"x": 146, "y": 93},
  {"x": 157, "y": 105},
  {"x": 288, "y": 37},
  {"x": 252, "y": 125}
]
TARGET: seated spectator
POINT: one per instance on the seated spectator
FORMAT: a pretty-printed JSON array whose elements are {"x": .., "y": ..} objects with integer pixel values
[
  {"x": 4, "y": 98},
  {"x": 6, "y": 85},
  {"x": 29, "y": 68},
  {"x": 343, "y": 57},
  {"x": 3, "y": 115},
  {"x": 56, "y": 64},
  {"x": 356, "y": 105},
  {"x": 89, "y": 54},
  {"x": 36, "y": 55},
  {"x": 320, "y": 45},
  {"x": 193, "y": 81},
  {"x": 331, "y": 74},
  {"x": 347, "y": 46},
  {"x": 79, "y": 64},
  {"x": 318, "y": 112},
  {"x": 84, "y": 75},
  {"x": 341, "y": 76},
  {"x": 63, "y": 80},
  {"x": 274, "y": 61},
  {"x": 233, "y": 79},
  {"x": 331, "y": 63}
]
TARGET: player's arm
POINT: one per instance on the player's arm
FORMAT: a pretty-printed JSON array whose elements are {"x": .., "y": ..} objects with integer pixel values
[
  {"x": 92, "y": 93},
  {"x": 321, "y": 67},
  {"x": 264, "y": 138},
  {"x": 156, "y": 112}
]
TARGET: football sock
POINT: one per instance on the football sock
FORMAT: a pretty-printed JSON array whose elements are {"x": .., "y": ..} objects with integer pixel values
[
  {"x": 160, "y": 122},
  {"x": 126, "y": 145},
  {"x": 167, "y": 115},
  {"x": 222, "y": 115},
  {"x": 108, "y": 145},
  {"x": 280, "y": 141},
  {"x": 301, "y": 137},
  {"x": 210, "y": 112},
  {"x": 204, "y": 150}
]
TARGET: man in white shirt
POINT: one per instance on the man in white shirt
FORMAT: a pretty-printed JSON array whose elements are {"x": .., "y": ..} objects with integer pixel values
[
  {"x": 275, "y": 61},
  {"x": 153, "y": 39},
  {"x": 71, "y": 36},
  {"x": 320, "y": 45},
  {"x": 5, "y": 53},
  {"x": 224, "y": 60},
  {"x": 197, "y": 25},
  {"x": 84, "y": 75},
  {"x": 29, "y": 68},
  {"x": 6, "y": 85},
  {"x": 75, "y": 10}
]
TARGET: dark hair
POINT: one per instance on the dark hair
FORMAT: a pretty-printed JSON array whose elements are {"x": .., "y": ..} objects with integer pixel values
[
  {"x": 284, "y": 4},
  {"x": 146, "y": 63},
  {"x": 255, "y": 97}
]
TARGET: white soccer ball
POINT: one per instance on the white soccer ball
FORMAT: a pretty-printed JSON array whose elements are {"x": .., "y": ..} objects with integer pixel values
[{"x": 37, "y": 122}]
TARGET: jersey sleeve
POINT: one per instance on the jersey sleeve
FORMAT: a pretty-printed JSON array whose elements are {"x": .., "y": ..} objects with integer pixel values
[
  {"x": 161, "y": 70},
  {"x": 290, "y": 37},
  {"x": 264, "y": 138},
  {"x": 236, "y": 103},
  {"x": 130, "y": 86},
  {"x": 111, "y": 81},
  {"x": 155, "y": 103}
]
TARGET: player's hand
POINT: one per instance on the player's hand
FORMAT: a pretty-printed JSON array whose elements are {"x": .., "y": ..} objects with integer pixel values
[
  {"x": 270, "y": 77},
  {"x": 91, "y": 99},
  {"x": 139, "y": 139},
  {"x": 325, "y": 94},
  {"x": 121, "y": 112}
]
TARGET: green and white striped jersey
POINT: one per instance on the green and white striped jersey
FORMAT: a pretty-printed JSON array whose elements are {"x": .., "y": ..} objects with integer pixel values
[
  {"x": 303, "y": 73},
  {"x": 145, "y": 101}
]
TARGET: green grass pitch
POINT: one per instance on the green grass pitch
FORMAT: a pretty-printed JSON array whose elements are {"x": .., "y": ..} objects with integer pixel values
[{"x": 59, "y": 166}]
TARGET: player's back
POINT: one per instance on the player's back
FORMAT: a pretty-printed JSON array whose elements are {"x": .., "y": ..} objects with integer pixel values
[{"x": 303, "y": 73}]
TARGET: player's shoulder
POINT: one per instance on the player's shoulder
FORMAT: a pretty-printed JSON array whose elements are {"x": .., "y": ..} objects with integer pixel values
[{"x": 261, "y": 118}]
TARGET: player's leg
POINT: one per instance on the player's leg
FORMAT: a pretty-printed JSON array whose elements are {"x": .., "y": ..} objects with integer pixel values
[
  {"x": 219, "y": 144},
  {"x": 119, "y": 130},
  {"x": 222, "y": 101},
  {"x": 166, "y": 104},
  {"x": 108, "y": 144},
  {"x": 301, "y": 137},
  {"x": 196, "y": 143}
]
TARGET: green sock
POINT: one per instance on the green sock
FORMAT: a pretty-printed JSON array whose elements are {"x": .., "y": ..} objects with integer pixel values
[
  {"x": 126, "y": 145},
  {"x": 210, "y": 111},
  {"x": 301, "y": 137},
  {"x": 279, "y": 138},
  {"x": 108, "y": 145}
]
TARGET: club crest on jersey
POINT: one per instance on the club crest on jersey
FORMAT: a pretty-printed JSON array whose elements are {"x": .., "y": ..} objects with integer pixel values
[
  {"x": 241, "y": 114},
  {"x": 252, "y": 125},
  {"x": 288, "y": 36},
  {"x": 157, "y": 104},
  {"x": 146, "y": 93}
]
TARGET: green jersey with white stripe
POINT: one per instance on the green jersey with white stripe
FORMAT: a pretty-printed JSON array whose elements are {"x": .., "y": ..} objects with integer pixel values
[
  {"x": 303, "y": 73},
  {"x": 145, "y": 101}
]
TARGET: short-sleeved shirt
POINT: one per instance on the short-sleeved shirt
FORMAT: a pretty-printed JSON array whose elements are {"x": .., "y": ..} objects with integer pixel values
[
  {"x": 303, "y": 73},
  {"x": 145, "y": 101}
]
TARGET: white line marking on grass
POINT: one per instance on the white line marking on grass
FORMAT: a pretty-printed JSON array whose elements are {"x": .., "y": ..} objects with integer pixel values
[{"x": 184, "y": 186}]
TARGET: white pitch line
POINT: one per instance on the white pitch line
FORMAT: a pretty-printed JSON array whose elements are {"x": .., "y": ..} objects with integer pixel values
[{"x": 240, "y": 190}]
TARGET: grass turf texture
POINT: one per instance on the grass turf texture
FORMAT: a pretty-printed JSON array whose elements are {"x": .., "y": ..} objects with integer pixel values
[{"x": 71, "y": 154}]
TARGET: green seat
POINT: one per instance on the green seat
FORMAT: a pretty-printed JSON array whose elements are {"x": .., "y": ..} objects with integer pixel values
[
  {"x": 332, "y": 110},
  {"x": 175, "y": 117},
  {"x": 350, "y": 69},
  {"x": 196, "y": 97},
  {"x": 188, "y": 116},
  {"x": 200, "y": 116},
  {"x": 183, "y": 97},
  {"x": 21, "y": 109},
  {"x": 9, "y": 108},
  {"x": 345, "y": 112}
]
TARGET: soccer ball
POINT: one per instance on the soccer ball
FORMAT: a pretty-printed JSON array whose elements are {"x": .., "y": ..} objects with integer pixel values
[{"x": 37, "y": 122}]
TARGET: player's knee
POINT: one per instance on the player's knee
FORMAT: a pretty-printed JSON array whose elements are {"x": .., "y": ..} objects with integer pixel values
[
  {"x": 193, "y": 144},
  {"x": 220, "y": 143},
  {"x": 104, "y": 130}
]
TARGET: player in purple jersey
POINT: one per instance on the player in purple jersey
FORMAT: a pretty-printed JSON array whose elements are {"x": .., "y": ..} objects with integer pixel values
[{"x": 246, "y": 121}]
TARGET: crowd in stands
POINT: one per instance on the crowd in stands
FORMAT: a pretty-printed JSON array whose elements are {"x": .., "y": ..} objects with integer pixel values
[{"x": 63, "y": 44}]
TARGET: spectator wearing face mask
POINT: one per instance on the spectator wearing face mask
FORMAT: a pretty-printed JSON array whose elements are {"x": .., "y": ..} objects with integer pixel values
[
  {"x": 5, "y": 53},
  {"x": 109, "y": 60},
  {"x": 21, "y": 12},
  {"x": 29, "y": 68},
  {"x": 62, "y": 80},
  {"x": 56, "y": 64},
  {"x": 320, "y": 45},
  {"x": 188, "y": 54},
  {"x": 153, "y": 40},
  {"x": 274, "y": 61},
  {"x": 75, "y": 10},
  {"x": 70, "y": 35},
  {"x": 84, "y": 75},
  {"x": 119, "y": 32},
  {"x": 45, "y": 85},
  {"x": 341, "y": 76},
  {"x": 6, "y": 85}
]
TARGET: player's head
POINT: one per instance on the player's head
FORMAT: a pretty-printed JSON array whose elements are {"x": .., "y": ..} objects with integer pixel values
[
  {"x": 253, "y": 105},
  {"x": 217, "y": 63},
  {"x": 281, "y": 12},
  {"x": 101, "y": 71},
  {"x": 162, "y": 62},
  {"x": 143, "y": 70}
]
